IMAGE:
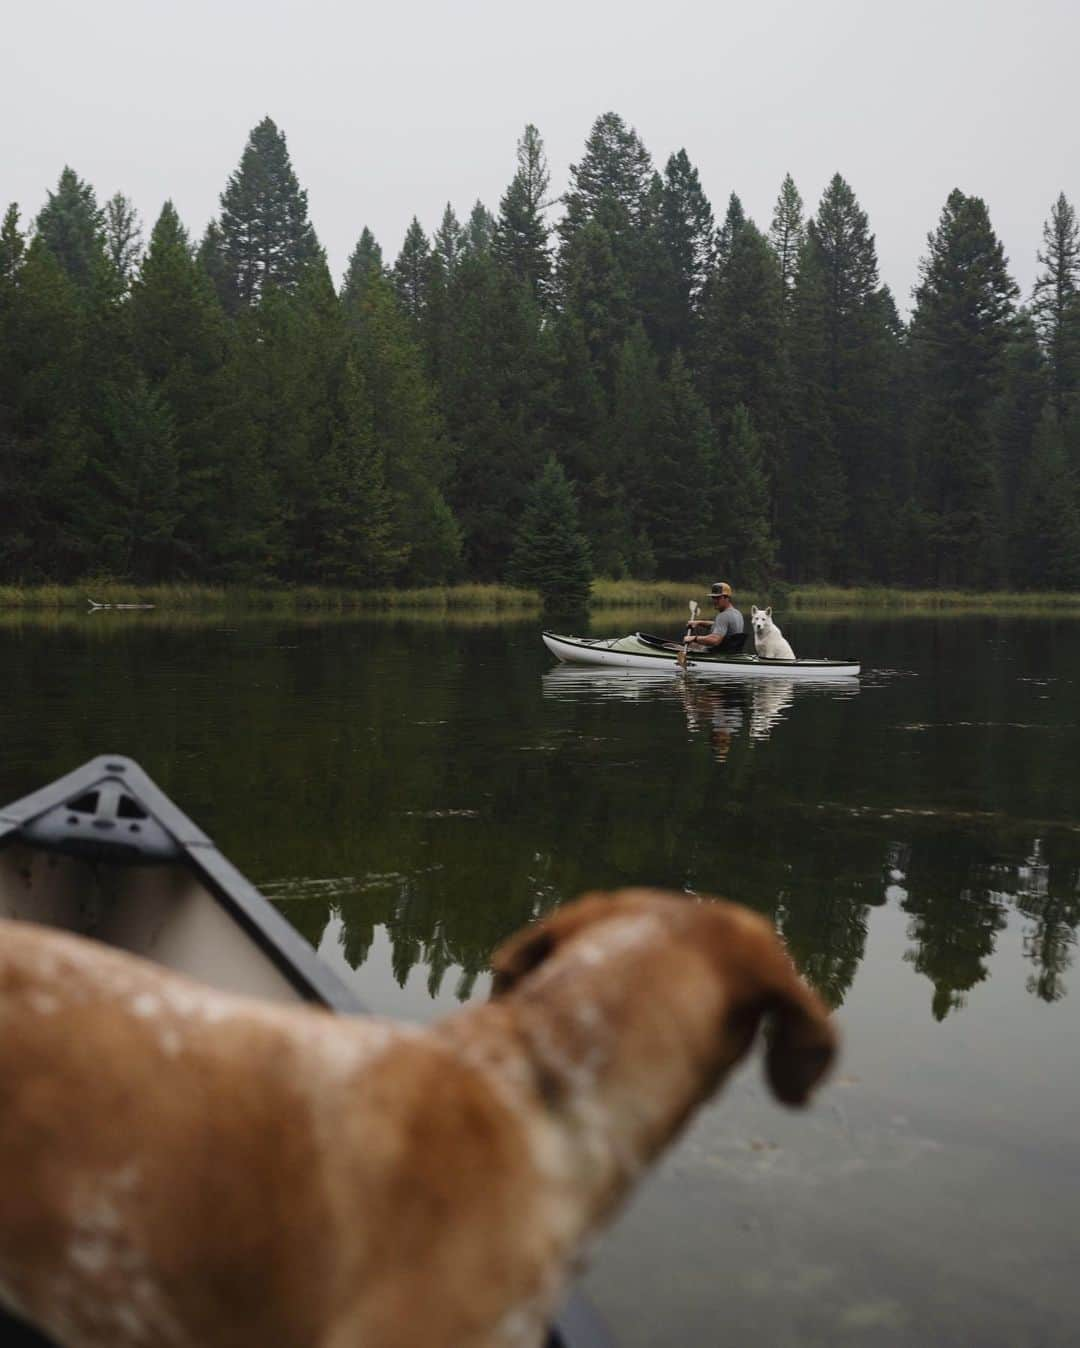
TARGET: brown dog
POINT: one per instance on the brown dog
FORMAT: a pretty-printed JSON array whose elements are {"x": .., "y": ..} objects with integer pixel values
[{"x": 184, "y": 1169}]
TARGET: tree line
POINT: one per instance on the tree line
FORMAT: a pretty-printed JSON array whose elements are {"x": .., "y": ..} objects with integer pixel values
[{"x": 615, "y": 382}]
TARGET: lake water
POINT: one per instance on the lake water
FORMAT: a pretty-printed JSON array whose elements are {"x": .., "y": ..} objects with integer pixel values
[{"x": 411, "y": 793}]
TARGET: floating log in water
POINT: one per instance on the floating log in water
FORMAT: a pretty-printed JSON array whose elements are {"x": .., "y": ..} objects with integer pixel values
[{"x": 94, "y": 605}]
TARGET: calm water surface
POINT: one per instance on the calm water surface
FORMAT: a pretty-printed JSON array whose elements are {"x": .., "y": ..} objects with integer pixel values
[{"x": 411, "y": 794}]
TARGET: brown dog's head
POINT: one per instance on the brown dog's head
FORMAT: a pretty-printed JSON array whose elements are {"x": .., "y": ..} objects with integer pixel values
[{"x": 741, "y": 948}]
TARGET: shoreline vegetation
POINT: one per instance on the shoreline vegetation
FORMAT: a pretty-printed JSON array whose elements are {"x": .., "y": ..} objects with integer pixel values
[{"x": 659, "y": 596}]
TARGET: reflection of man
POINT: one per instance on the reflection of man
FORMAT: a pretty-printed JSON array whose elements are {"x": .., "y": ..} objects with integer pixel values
[
  {"x": 725, "y": 634},
  {"x": 719, "y": 710}
]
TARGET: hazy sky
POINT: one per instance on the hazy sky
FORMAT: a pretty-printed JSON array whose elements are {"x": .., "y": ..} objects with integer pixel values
[{"x": 394, "y": 110}]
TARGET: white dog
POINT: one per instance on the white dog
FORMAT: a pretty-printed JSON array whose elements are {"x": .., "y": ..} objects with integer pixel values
[{"x": 769, "y": 641}]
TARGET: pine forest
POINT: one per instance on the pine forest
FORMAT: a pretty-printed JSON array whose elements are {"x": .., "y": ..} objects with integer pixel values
[{"x": 620, "y": 381}]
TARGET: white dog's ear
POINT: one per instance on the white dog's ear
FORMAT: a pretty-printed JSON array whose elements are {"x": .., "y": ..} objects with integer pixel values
[
  {"x": 768, "y": 611},
  {"x": 753, "y": 610}
]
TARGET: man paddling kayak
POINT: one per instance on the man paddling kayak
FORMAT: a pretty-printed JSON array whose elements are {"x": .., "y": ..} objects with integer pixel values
[{"x": 725, "y": 633}]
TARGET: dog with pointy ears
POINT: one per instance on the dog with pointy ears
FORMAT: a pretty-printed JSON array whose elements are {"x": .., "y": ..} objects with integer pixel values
[{"x": 769, "y": 642}]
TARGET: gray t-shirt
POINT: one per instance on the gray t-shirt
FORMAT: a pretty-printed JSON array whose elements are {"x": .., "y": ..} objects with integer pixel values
[{"x": 727, "y": 623}]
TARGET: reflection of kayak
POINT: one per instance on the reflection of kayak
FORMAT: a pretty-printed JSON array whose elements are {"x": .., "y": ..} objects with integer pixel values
[
  {"x": 104, "y": 853},
  {"x": 640, "y": 651}
]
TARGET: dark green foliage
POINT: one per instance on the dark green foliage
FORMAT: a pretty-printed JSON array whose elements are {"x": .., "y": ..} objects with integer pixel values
[
  {"x": 267, "y": 239},
  {"x": 961, "y": 326},
  {"x": 365, "y": 262},
  {"x": 72, "y": 226},
  {"x": 812, "y": 499},
  {"x": 686, "y": 232},
  {"x": 140, "y": 474},
  {"x": 787, "y": 232},
  {"x": 357, "y": 524},
  {"x": 520, "y": 241},
  {"x": 123, "y": 237},
  {"x": 494, "y": 370},
  {"x": 551, "y": 554},
  {"x": 1046, "y": 550},
  {"x": 743, "y": 538},
  {"x": 718, "y": 401},
  {"x": 740, "y": 358},
  {"x": 681, "y": 499},
  {"x": 1055, "y": 307},
  {"x": 479, "y": 230},
  {"x": 412, "y": 272},
  {"x": 861, "y": 339},
  {"x": 615, "y": 170}
]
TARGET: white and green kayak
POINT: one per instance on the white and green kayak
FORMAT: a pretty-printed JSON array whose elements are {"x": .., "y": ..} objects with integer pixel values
[{"x": 639, "y": 650}]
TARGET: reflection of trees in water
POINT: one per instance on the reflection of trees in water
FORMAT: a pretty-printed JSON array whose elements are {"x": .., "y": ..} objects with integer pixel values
[
  {"x": 1047, "y": 888},
  {"x": 959, "y": 898},
  {"x": 827, "y": 941},
  {"x": 317, "y": 752}
]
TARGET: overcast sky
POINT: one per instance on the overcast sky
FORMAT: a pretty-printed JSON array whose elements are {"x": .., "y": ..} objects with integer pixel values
[{"x": 395, "y": 110}]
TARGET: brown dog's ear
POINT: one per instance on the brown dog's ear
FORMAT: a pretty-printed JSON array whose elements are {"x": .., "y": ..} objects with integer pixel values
[
  {"x": 527, "y": 949},
  {"x": 520, "y": 955},
  {"x": 803, "y": 1041}
]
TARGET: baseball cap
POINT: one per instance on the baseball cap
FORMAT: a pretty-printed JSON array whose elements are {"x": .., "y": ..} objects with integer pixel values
[{"x": 720, "y": 588}]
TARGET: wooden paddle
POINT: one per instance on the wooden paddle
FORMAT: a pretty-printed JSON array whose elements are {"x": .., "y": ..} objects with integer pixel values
[{"x": 695, "y": 608}]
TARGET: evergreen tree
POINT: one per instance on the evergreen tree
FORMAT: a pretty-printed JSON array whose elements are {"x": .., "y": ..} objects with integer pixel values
[
  {"x": 740, "y": 357},
  {"x": 1055, "y": 306},
  {"x": 626, "y": 509},
  {"x": 365, "y": 261},
  {"x": 615, "y": 168},
  {"x": 860, "y": 348},
  {"x": 743, "y": 538},
  {"x": 182, "y": 346},
  {"x": 123, "y": 237},
  {"x": 811, "y": 508},
  {"x": 12, "y": 249},
  {"x": 412, "y": 272},
  {"x": 479, "y": 230},
  {"x": 962, "y": 322},
  {"x": 72, "y": 226},
  {"x": 787, "y": 232},
  {"x": 677, "y": 504},
  {"x": 551, "y": 554},
  {"x": 141, "y": 473},
  {"x": 493, "y": 383},
  {"x": 267, "y": 238},
  {"x": 1015, "y": 420},
  {"x": 1046, "y": 551},
  {"x": 357, "y": 524},
  {"x": 597, "y": 291},
  {"x": 728, "y": 233},
  {"x": 410, "y": 439},
  {"x": 686, "y": 230},
  {"x": 449, "y": 242},
  {"x": 44, "y": 437},
  {"x": 520, "y": 240},
  {"x": 295, "y": 347},
  {"x": 211, "y": 256}
]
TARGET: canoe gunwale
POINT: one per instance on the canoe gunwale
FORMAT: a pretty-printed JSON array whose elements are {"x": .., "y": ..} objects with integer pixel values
[{"x": 257, "y": 917}]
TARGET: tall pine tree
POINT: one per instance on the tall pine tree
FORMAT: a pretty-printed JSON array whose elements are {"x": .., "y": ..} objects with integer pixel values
[
  {"x": 964, "y": 307},
  {"x": 267, "y": 240}
]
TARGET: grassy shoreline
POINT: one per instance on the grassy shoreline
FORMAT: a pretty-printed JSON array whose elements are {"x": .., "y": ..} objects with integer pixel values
[{"x": 607, "y": 594}]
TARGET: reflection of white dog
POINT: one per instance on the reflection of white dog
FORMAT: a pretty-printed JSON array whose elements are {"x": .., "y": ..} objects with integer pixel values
[
  {"x": 771, "y": 699},
  {"x": 769, "y": 641}
]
